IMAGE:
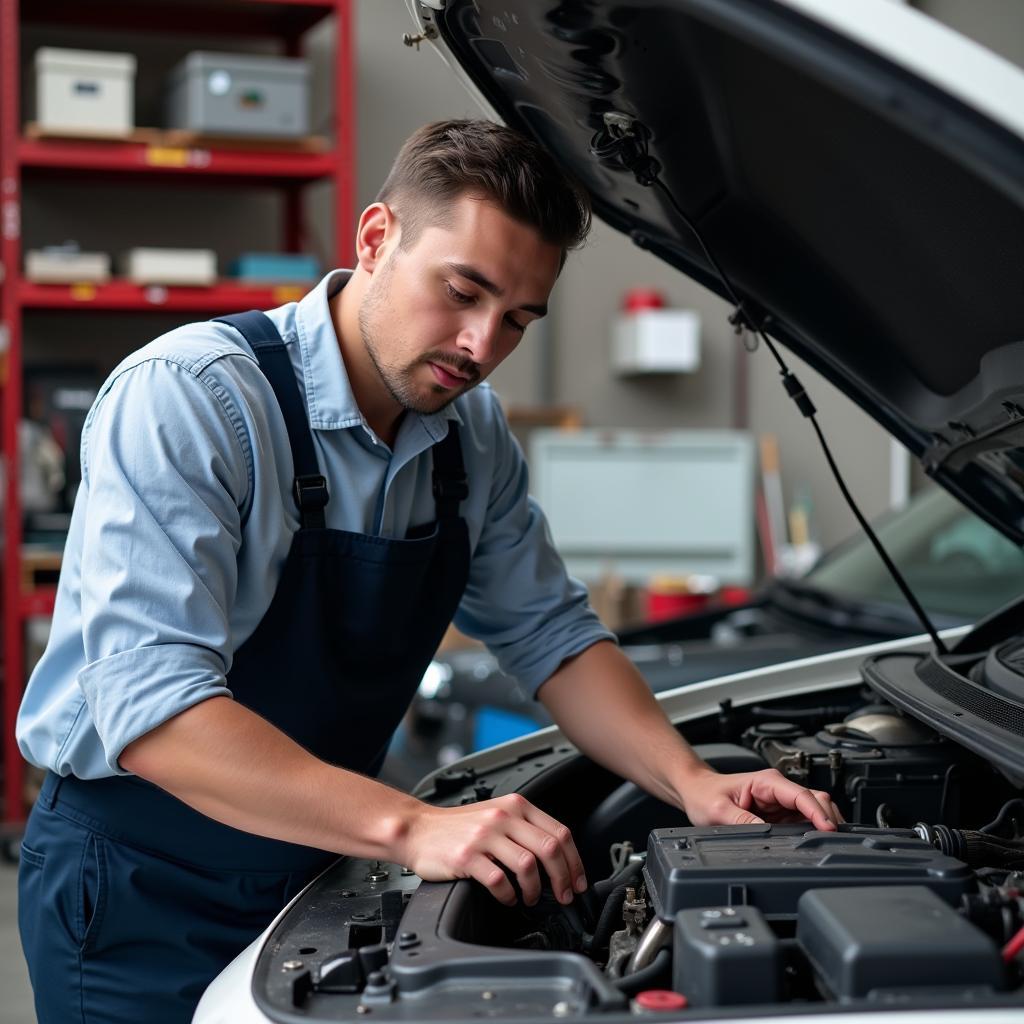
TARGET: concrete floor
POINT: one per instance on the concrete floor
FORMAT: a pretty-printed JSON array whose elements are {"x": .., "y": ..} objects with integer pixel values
[{"x": 15, "y": 994}]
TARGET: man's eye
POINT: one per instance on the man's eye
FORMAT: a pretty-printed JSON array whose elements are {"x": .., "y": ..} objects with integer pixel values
[
  {"x": 515, "y": 325},
  {"x": 457, "y": 296}
]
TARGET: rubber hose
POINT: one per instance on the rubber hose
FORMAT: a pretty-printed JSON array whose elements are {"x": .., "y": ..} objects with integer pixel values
[
  {"x": 611, "y": 915},
  {"x": 1011, "y": 806},
  {"x": 641, "y": 979},
  {"x": 986, "y": 851},
  {"x": 976, "y": 849},
  {"x": 612, "y": 882}
]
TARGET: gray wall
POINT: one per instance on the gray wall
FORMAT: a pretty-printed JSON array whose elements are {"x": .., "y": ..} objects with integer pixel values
[{"x": 398, "y": 89}]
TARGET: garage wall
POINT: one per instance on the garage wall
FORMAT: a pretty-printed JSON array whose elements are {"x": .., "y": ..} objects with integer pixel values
[{"x": 398, "y": 89}]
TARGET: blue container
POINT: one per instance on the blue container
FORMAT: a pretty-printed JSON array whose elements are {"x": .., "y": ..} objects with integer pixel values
[{"x": 275, "y": 267}]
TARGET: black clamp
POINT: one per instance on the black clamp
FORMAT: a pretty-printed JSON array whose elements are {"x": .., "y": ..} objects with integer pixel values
[
  {"x": 311, "y": 497},
  {"x": 795, "y": 390}
]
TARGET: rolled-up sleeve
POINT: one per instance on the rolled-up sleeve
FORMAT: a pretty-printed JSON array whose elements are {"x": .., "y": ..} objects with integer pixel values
[
  {"x": 520, "y": 600},
  {"x": 167, "y": 479}
]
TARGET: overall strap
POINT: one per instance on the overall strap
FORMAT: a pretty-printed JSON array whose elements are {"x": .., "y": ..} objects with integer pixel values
[
  {"x": 449, "y": 478},
  {"x": 310, "y": 487}
]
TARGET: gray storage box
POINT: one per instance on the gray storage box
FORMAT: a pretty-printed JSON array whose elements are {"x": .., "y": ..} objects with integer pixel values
[{"x": 235, "y": 94}]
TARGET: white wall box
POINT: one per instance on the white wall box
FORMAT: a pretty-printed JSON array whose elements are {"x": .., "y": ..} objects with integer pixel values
[
  {"x": 656, "y": 341},
  {"x": 237, "y": 94},
  {"x": 85, "y": 91},
  {"x": 640, "y": 504},
  {"x": 171, "y": 266}
]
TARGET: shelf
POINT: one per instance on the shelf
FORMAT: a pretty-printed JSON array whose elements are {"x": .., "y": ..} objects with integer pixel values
[
  {"x": 223, "y": 297},
  {"x": 145, "y": 160},
  {"x": 236, "y": 18}
]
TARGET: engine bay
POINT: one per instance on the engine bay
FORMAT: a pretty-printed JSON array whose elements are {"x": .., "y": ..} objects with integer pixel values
[{"x": 915, "y": 902}]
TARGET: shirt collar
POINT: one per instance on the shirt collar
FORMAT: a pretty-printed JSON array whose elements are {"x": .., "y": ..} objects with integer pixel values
[{"x": 329, "y": 397}]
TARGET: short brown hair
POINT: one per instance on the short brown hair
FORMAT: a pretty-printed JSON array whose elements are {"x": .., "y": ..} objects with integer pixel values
[{"x": 447, "y": 159}]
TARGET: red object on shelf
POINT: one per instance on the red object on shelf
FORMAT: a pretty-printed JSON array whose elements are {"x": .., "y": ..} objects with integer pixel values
[
  {"x": 660, "y": 1000},
  {"x": 671, "y": 596},
  {"x": 732, "y": 596},
  {"x": 661, "y": 606},
  {"x": 638, "y": 299},
  {"x": 85, "y": 162}
]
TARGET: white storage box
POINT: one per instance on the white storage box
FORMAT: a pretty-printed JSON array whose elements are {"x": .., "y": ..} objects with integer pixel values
[
  {"x": 239, "y": 94},
  {"x": 62, "y": 266},
  {"x": 85, "y": 91},
  {"x": 170, "y": 266},
  {"x": 657, "y": 341}
]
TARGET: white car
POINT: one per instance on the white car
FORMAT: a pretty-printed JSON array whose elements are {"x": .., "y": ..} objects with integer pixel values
[{"x": 852, "y": 175}]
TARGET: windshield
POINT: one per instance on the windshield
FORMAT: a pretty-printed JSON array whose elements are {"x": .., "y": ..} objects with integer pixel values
[{"x": 953, "y": 561}]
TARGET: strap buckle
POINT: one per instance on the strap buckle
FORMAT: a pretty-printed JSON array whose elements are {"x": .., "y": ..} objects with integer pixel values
[
  {"x": 450, "y": 488},
  {"x": 311, "y": 492}
]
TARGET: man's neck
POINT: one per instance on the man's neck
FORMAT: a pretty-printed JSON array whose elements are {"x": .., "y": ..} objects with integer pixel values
[{"x": 379, "y": 408}]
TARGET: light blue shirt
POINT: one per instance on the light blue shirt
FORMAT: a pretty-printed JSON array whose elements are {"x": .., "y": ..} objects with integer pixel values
[{"x": 185, "y": 515}]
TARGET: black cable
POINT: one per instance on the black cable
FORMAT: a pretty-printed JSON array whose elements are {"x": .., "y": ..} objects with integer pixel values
[{"x": 796, "y": 391}]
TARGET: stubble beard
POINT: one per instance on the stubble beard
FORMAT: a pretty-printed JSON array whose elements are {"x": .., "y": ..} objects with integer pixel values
[{"x": 400, "y": 379}]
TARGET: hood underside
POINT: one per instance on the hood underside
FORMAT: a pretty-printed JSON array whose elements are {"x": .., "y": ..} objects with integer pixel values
[{"x": 869, "y": 219}]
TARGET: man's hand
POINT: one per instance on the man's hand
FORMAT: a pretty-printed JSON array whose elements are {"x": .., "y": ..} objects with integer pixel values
[
  {"x": 748, "y": 798},
  {"x": 465, "y": 842}
]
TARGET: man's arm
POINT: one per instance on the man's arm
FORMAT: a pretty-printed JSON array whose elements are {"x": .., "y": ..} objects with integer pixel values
[
  {"x": 232, "y": 765},
  {"x": 604, "y": 706}
]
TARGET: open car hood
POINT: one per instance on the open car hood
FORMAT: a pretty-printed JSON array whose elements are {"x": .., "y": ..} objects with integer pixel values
[{"x": 856, "y": 168}]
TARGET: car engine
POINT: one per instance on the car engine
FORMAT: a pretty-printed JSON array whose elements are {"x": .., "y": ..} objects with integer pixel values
[{"x": 915, "y": 902}]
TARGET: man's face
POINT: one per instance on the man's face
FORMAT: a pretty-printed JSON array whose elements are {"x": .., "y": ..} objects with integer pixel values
[{"x": 438, "y": 317}]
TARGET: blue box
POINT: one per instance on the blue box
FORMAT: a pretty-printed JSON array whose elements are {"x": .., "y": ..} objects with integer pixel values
[{"x": 276, "y": 267}]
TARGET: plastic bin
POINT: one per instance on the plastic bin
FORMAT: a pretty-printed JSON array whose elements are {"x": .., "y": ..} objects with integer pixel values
[{"x": 236, "y": 94}]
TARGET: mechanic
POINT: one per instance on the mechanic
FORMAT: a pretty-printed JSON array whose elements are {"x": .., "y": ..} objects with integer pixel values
[{"x": 236, "y": 636}]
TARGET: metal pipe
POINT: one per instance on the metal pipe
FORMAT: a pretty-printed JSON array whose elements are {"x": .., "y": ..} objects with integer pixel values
[{"x": 657, "y": 935}]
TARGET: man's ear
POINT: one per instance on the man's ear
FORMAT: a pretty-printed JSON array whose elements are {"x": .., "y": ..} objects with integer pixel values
[{"x": 376, "y": 235}]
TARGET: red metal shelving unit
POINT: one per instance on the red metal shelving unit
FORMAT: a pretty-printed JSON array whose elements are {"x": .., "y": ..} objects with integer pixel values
[
  {"x": 124, "y": 295},
  {"x": 34, "y": 158},
  {"x": 148, "y": 160}
]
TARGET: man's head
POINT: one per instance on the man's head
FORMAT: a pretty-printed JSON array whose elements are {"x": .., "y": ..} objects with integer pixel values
[
  {"x": 448, "y": 159},
  {"x": 457, "y": 255}
]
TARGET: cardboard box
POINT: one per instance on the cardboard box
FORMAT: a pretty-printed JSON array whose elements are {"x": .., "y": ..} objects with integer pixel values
[
  {"x": 85, "y": 91},
  {"x": 171, "y": 266}
]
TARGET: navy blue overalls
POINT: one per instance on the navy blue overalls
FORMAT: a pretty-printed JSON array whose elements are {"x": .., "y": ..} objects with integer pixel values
[{"x": 130, "y": 901}]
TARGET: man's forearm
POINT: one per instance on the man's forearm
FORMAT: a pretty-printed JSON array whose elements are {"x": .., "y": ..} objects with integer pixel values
[
  {"x": 232, "y": 765},
  {"x": 602, "y": 703},
  {"x": 604, "y": 706}
]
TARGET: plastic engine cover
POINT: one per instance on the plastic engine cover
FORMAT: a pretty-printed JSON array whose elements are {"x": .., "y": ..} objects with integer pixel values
[
  {"x": 871, "y": 941},
  {"x": 771, "y": 866}
]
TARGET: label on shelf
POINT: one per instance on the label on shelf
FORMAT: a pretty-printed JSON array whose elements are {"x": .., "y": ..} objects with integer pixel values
[
  {"x": 166, "y": 156},
  {"x": 83, "y": 292},
  {"x": 288, "y": 293}
]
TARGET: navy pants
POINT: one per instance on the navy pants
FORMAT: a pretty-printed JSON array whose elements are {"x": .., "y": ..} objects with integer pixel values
[{"x": 94, "y": 910}]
